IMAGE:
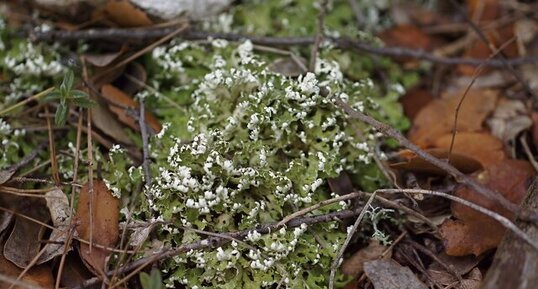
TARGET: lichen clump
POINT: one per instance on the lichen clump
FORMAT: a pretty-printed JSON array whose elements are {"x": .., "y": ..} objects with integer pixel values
[{"x": 262, "y": 146}]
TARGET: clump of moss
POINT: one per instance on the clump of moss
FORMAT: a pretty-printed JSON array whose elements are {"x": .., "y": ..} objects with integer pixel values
[{"x": 252, "y": 147}]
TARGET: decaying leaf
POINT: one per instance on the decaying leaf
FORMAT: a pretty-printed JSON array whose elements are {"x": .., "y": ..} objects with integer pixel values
[
  {"x": 105, "y": 121},
  {"x": 354, "y": 265},
  {"x": 414, "y": 163},
  {"x": 387, "y": 274},
  {"x": 473, "y": 232},
  {"x": 5, "y": 175},
  {"x": 437, "y": 118},
  {"x": 414, "y": 100},
  {"x": 102, "y": 60},
  {"x": 287, "y": 66},
  {"x": 509, "y": 119},
  {"x": 23, "y": 244},
  {"x": 37, "y": 276},
  {"x": 104, "y": 229},
  {"x": 480, "y": 146},
  {"x": 60, "y": 213},
  {"x": 124, "y": 13},
  {"x": 120, "y": 102}
]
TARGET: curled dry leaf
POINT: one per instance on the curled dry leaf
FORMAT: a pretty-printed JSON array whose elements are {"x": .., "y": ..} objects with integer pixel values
[
  {"x": 482, "y": 147},
  {"x": 120, "y": 102},
  {"x": 24, "y": 242},
  {"x": 437, "y": 118},
  {"x": 509, "y": 119},
  {"x": 104, "y": 227},
  {"x": 60, "y": 213},
  {"x": 354, "y": 265},
  {"x": 473, "y": 232},
  {"x": 387, "y": 274}
]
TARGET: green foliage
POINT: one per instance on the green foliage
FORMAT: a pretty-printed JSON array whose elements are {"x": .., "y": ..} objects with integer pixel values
[
  {"x": 153, "y": 281},
  {"x": 66, "y": 95},
  {"x": 252, "y": 147}
]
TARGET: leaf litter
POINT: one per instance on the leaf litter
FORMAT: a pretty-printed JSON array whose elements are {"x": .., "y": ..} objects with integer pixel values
[{"x": 489, "y": 154}]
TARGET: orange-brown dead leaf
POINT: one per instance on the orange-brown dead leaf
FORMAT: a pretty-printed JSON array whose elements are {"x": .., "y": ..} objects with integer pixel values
[
  {"x": 37, "y": 276},
  {"x": 483, "y": 147},
  {"x": 437, "y": 118},
  {"x": 119, "y": 101},
  {"x": 104, "y": 229},
  {"x": 354, "y": 265},
  {"x": 483, "y": 12},
  {"x": 414, "y": 163},
  {"x": 414, "y": 100},
  {"x": 474, "y": 232},
  {"x": 125, "y": 14}
]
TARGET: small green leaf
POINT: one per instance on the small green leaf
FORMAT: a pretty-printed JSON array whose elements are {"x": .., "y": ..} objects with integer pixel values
[
  {"x": 151, "y": 282},
  {"x": 78, "y": 94},
  {"x": 68, "y": 80},
  {"x": 83, "y": 102},
  {"x": 54, "y": 95},
  {"x": 61, "y": 114}
]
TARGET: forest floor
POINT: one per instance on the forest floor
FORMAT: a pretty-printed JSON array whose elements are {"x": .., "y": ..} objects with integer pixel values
[{"x": 268, "y": 144}]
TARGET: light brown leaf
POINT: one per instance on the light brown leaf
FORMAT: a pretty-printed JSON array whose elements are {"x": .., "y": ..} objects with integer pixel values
[
  {"x": 104, "y": 229},
  {"x": 354, "y": 264},
  {"x": 437, "y": 118},
  {"x": 483, "y": 147},
  {"x": 416, "y": 164},
  {"x": 105, "y": 121},
  {"x": 473, "y": 232},
  {"x": 60, "y": 213},
  {"x": 23, "y": 243},
  {"x": 125, "y": 14},
  {"x": 37, "y": 276},
  {"x": 119, "y": 101},
  {"x": 387, "y": 274}
]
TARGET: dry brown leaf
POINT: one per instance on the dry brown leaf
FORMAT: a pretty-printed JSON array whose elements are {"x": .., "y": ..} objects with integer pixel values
[
  {"x": 406, "y": 35},
  {"x": 463, "y": 163},
  {"x": 119, "y": 101},
  {"x": 414, "y": 100},
  {"x": 509, "y": 119},
  {"x": 387, "y": 274},
  {"x": 23, "y": 244},
  {"x": 354, "y": 265},
  {"x": 437, "y": 118},
  {"x": 137, "y": 71},
  {"x": 37, "y": 276},
  {"x": 486, "y": 11},
  {"x": 483, "y": 147},
  {"x": 287, "y": 66},
  {"x": 125, "y": 14},
  {"x": 60, "y": 213},
  {"x": 105, "y": 121},
  {"x": 473, "y": 232},
  {"x": 104, "y": 229},
  {"x": 102, "y": 60}
]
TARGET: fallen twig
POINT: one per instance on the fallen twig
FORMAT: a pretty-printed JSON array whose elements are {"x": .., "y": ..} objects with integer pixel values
[
  {"x": 350, "y": 233},
  {"x": 212, "y": 242},
  {"x": 140, "y": 34},
  {"x": 497, "y": 217},
  {"x": 459, "y": 176},
  {"x": 319, "y": 35}
]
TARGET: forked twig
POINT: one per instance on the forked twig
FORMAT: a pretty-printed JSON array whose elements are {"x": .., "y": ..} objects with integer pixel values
[
  {"x": 497, "y": 217},
  {"x": 350, "y": 233}
]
